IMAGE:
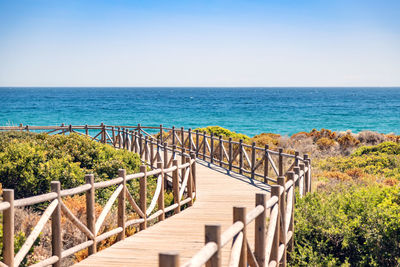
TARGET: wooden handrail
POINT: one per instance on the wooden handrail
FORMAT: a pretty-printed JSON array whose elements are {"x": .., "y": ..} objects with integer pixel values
[
  {"x": 92, "y": 227},
  {"x": 159, "y": 154},
  {"x": 271, "y": 244}
]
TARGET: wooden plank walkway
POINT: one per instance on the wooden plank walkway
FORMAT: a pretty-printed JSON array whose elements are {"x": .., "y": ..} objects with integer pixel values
[{"x": 217, "y": 193}]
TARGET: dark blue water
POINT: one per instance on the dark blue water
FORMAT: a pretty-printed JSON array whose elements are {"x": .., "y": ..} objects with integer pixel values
[{"x": 246, "y": 110}]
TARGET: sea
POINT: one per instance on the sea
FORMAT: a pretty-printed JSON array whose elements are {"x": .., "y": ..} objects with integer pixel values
[{"x": 244, "y": 110}]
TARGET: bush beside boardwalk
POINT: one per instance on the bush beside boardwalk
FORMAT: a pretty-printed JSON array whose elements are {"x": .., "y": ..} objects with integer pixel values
[
  {"x": 352, "y": 217},
  {"x": 30, "y": 161}
]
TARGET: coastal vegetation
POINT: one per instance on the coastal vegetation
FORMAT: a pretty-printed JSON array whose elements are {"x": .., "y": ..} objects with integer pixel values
[
  {"x": 351, "y": 218},
  {"x": 225, "y": 133},
  {"x": 30, "y": 161}
]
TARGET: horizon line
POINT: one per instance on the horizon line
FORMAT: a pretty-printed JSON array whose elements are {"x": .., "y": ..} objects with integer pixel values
[{"x": 209, "y": 86}]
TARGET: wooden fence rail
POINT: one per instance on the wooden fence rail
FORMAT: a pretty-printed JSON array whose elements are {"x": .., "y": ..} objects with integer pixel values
[
  {"x": 181, "y": 177},
  {"x": 272, "y": 239},
  {"x": 159, "y": 148}
]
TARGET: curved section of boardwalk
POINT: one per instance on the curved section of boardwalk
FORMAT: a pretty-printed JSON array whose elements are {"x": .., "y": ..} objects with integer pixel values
[{"x": 217, "y": 193}]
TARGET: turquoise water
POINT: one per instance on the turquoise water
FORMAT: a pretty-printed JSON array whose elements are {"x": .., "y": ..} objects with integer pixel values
[{"x": 246, "y": 110}]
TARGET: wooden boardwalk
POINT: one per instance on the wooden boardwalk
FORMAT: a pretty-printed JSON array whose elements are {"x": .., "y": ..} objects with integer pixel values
[{"x": 217, "y": 193}]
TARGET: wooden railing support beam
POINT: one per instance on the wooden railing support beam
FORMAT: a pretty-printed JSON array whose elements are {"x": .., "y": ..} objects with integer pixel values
[
  {"x": 8, "y": 228},
  {"x": 56, "y": 237},
  {"x": 282, "y": 208},
  {"x": 168, "y": 259},
  {"x": 122, "y": 205},
  {"x": 90, "y": 211},
  {"x": 213, "y": 234},
  {"x": 239, "y": 214},
  {"x": 143, "y": 195},
  {"x": 260, "y": 231}
]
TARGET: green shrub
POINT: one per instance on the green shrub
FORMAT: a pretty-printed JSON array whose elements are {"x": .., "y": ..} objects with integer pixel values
[
  {"x": 29, "y": 161},
  {"x": 382, "y": 160},
  {"x": 217, "y": 131},
  {"x": 390, "y": 148},
  {"x": 348, "y": 225}
]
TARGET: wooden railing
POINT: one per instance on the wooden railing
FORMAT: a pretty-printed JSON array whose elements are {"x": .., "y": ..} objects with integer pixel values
[
  {"x": 181, "y": 177},
  {"x": 159, "y": 149},
  {"x": 272, "y": 238},
  {"x": 237, "y": 156}
]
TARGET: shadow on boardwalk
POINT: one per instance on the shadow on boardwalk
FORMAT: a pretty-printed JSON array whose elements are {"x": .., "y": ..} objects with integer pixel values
[{"x": 237, "y": 176}]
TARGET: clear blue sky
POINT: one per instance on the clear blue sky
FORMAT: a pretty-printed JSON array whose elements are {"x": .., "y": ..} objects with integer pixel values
[{"x": 200, "y": 43}]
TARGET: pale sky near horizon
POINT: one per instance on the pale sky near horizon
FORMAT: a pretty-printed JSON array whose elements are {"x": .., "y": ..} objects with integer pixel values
[{"x": 200, "y": 43}]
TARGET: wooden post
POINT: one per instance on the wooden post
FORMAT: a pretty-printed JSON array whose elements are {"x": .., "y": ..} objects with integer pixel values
[
  {"x": 143, "y": 195},
  {"x": 122, "y": 139},
  {"x": 275, "y": 191},
  {"x": 119, "y": 137},
  {"x": 197, "y": 143},
  {"x": 86, "y": 130},
  {"x": 266, "y": 163},
  {"x": 193, "y": 171},
  {"x": 213, "y": 234},
  {"x": 138, "y": 128},
  {"x": 183, "y": 139},
  {"x": 240, "y": 156},
  {"x": 221, "y": 155},
  {"x": 8, "y": 228},
  {"x": 152, "y": 154},
  {"x": 90, "y": 210},
  {"x": 140, "y": 145},
  {"x": 122, "y": 205},
  {"x": 282, "y": 207},
  {"x": 161, "y": 204},
  {"x": 183, "y": 170},
  {"x": 161, "y": 133},
  {"x": 280, "y": 170},
  {"x": 175, "y": 187},
  {"x": 165, "y": 155},
  {"x": 253, "y": 159},
  {"x": 173, "y": 151},
  {"x": 239, "y": 214},
  {"x": 306, "y": 175},
  {"x": 190, "y": 139},
  {"x": 183, "y": 157},
  {"x": 27, "y": 129},
  {"x": 56, "y": 238},
  {"x": 103, "y": 133},
  {"x": 260, "y": 230},
  {"x": 113, "y": 135},
  {"x": 302, "y": 180},
  {"x": 168, "y": 259},
  {"x": 189, "y": 183},
  {"x": 211, "y": 147},
  {"x": 134, "y": 143},
  {"x": 146, "y": 150},
  {"x": 204, "y": 145},
  {"x": 173, "y": 135},
  {"x": 230, "y": 153},
  {"x": 70, "y": 128},
  {"x": 297, "y": 172},
  {"x": 296, "y": 158},
  {"x": 290, "y": 177},
  {"x": 126, "y": 139}
]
